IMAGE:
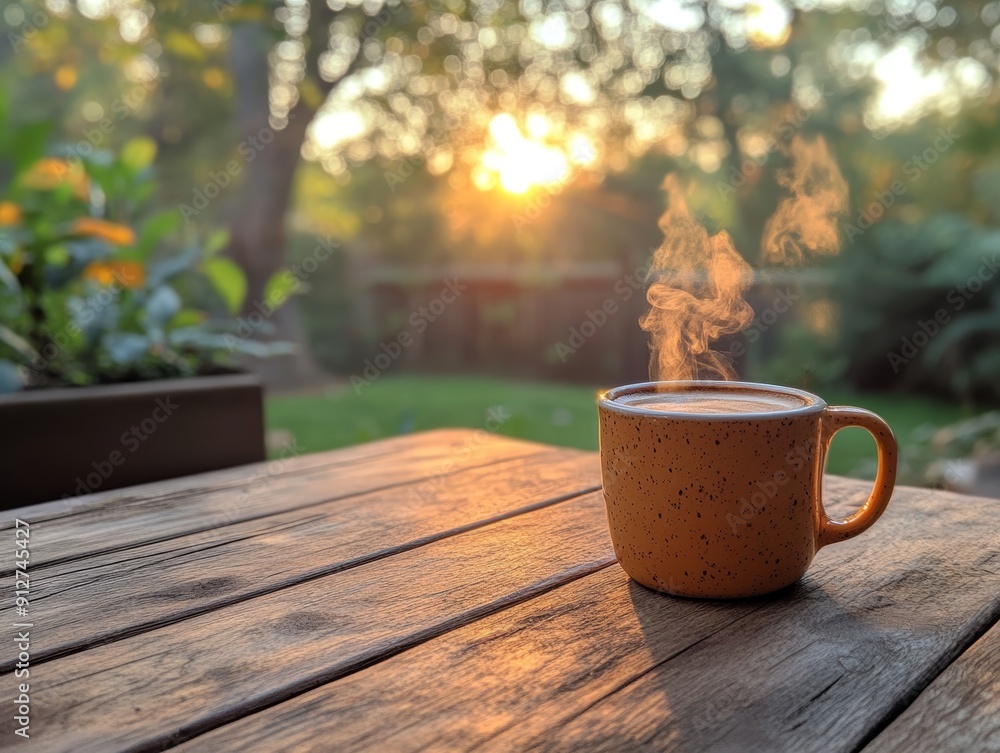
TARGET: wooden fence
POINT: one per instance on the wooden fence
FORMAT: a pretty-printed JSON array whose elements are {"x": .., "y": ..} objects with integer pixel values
[{"x": 574, "y": 323}]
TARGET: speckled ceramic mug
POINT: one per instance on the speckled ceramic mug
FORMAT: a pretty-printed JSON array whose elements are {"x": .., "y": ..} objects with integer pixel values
[{"x": 713, "y": 488}]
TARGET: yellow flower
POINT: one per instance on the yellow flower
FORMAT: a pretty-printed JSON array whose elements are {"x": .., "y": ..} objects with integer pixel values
[
  {"x": 213, "y": 78},
  {"x": 99, "y": 272},
  {"x": 50, "y": 173},
  {"x": 10, "y": 213},
  {"x": 65, "y": 77},
  {"x": 119, "y": 235},
  {"x": 128, "y": 274}
]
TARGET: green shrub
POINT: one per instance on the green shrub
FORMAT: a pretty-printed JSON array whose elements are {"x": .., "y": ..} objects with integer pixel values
[
  {"x": 919, "y": 308},
  {"x": 86, "y": 294}
]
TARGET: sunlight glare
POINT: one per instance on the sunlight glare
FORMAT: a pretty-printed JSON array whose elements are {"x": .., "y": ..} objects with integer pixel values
[
  {"x": 581, "y": 150},
  {"x": 552, "y": 31},
  {"x": 538, "y": 125},
  {"x": 332, "y": 128},
  {"x": 676, "y": 15},
  {"x": 483, "y": 179},
  {"x": 520, "y": 163},
  {"x": 768, "y": 24},
  {"x": 503, "y": 129}
]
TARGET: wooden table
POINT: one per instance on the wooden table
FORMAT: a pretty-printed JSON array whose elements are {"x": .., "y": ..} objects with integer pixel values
[{"x": 455, "y": 590}]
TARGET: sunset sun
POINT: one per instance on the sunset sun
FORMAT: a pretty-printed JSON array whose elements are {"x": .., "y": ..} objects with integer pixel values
[{"x": 520, "y": 162}]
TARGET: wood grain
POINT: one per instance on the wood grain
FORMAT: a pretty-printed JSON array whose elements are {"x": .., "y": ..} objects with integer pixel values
[
  {"x": 118, "y": 521},
  {"x": 180, "y": 577},
  {"x": 151, "y": 690},
  {"x": 959, "y": 712},
  {"x": 604, "y": 664},
  {"x": 431, "y": 591}
]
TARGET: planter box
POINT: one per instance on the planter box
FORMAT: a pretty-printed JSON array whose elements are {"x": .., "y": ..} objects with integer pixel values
[{"x": 68, "y": 442}]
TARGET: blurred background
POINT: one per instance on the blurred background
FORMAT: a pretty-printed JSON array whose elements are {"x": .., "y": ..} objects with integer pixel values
[{"x": 405, "y": 215}]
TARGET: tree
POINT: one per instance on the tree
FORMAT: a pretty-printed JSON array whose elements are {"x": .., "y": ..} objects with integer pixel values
[{"x": 343, "y": 83}]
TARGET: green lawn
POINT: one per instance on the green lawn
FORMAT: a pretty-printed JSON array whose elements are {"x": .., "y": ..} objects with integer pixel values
[{"x": 554, "y": 414}]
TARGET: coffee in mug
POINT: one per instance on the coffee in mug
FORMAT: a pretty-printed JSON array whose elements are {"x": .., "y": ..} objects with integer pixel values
[{"x": 713, "y": 489}]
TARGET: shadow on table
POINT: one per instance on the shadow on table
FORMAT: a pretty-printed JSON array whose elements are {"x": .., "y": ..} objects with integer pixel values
[{"x": 765, "y": 674}]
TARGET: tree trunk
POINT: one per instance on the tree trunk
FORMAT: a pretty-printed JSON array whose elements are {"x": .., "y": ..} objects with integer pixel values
[{"x": 258, "y": 235}]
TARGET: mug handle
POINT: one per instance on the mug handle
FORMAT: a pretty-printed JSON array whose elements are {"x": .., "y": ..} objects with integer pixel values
[{"x": 835, "y": 418}]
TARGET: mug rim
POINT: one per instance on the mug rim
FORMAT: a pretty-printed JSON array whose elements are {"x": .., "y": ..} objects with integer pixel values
[{"x": 606, "y": 400}]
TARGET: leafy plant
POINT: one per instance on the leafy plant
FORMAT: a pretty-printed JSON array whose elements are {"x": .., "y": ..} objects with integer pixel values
[
  {"x": 920, "y": 308},
  {"x": 86, "y": 299}
]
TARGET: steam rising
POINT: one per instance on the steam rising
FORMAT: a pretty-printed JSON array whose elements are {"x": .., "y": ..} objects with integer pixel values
[
  {"x": 696, "y": 295},
  {"x": 806, "y": 219},
  {"x": 698, "y": 281}
]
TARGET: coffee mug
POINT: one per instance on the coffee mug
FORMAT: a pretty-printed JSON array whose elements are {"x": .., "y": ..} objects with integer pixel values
[{"x": 713, "y": 488}]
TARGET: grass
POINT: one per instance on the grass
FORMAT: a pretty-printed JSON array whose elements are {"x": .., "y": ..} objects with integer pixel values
[{"x": 553, "y": 414}]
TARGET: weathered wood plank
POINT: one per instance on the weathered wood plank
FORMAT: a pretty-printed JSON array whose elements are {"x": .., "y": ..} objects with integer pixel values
[
  {"x": 120, "y": 520},
  {"x": 144, "y": 692},
  {"x": 169, "y": 580},
  {"x": 605, "y": 664},
  {"x": 959, "y": 712}
]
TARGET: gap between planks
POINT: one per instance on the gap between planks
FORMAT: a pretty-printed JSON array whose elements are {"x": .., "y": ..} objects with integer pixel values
[
  {"x": 966, "y": 642},
  {"x": 495, "y": 568},
  {"x": 199, "y": 568},
  {"x": 527, "y": 450},
  {"x": 886, "y": 607},
  {"x": 118, "y": 632},
  {"x": 371, "y": 657},
  {"x": 99, "y": 639},
  {"x": 294, "y": 508}
]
